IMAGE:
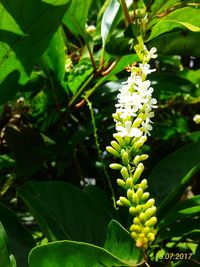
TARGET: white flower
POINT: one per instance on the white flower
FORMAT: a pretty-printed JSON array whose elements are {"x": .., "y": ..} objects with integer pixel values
[
  {"x": 196, "y": 118},
  {"x": 146, "y": 125},
  {"x": 145, "y": 68},
  {"x": 128, "y": 130}
]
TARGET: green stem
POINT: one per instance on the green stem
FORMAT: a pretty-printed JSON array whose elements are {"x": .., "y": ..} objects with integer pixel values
[
  {"x": 125, "y": 10},
  {"x": 100, "y": 152},
  {"x": 74, "y": 98}
]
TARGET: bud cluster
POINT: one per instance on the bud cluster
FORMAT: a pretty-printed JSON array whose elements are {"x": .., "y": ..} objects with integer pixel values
[{"x": 133, "y": 125}]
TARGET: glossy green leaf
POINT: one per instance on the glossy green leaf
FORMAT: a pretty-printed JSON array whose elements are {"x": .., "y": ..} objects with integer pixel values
[
  {"x": 76, "y": 16},
  {"x": 110, "y": 19},
  {"x": 67, "y": 212},
  {"x": 54, "y": 57},
  {"x": 120, "y": 244},
  {"x": 171, "y": 176},
  {"x": 25, "y": 144},
  {"x": 6, "y": 258},
  {"x": 24, "y": 40},
  {"x": 79, "y": 74},
  {"x": 186, "y": 17},
  {"x": 177, "y": 43},
  {"x": 119, "y": 46},
  {"x": 20, "y": 240},
  {"x": 71, "y": 254}
]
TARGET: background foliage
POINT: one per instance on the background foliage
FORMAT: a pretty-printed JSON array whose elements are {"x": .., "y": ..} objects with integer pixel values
[{"x": 59, "y": 76}]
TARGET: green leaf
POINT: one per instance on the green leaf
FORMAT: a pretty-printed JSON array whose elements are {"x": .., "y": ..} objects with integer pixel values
[
  {"x": 54, "y": 57},
  {"x": 120, "y": 244},
  {"x": 7, "y": 259},
  {"x": 79, "y": 74},
  {"x": 25, "y": 144},
  {"x": 171, "y": 176},
  {"x": 186, "y": 17},
  {"x": 177, "y": 43},
  {"x": 20, "y": 239},
  {"x": 24, "y": 40},
  {"x": 67, "y": 212},
  {"x": 70, "y": 254},
  {"x": 110, "y": 20},
  {"x": 76, "y": 16},
  {"x": 119, "y": 46}
]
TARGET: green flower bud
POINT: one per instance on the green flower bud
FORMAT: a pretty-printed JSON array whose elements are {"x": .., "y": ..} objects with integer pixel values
[
  {"x": 121, "y": 183},
  {"x": 135, "y": 228},
  {"x": 125, "y": 158},
  {"x": 138, "y": 172},
  {"x": 151, "y": 237},
  {"x": 143, "y": 157},
  {"x": 140, "y": 142},
  {"x": 125, "y": 201},
  {"x": 142, "y": 217},
  {"x": 133, "y": 235},
  {"x": 150, "y": 212},
  {"x": 145, "y": 196},
  {"x": 129, "y": 182},
  {"x": 143, "y": 184},
  {"x": 115, "y": 166},
  {"x": 149, "y": 203},
  {"x": 132, "y": 211},
  {"x": 119, "y": 203},
  {"x": 116, "y": 146},
  {"x": 139, "y": 192},
  {"x": 146, "y": 230},
  {"x": 137, "y": 122},
  {"x": 119, "y": 139},
  {"x": 127, "y": 140},
  {"x": 136, "y": 220},
  {"x": 135, "y": 199},
  {"x": 124, "y": 173},
  {"x": 151, "y": 222},
  {"x": 138, "y": 209},
  {"x": 136, "y": 160},
  {"x": 112, "y": 151},
  {"x": 130, "y": 194}
]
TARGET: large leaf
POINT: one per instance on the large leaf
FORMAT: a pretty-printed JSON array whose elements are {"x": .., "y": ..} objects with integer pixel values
[
  {"x": 72, "y": 254},
  {"x": 186, "y": 17},
  {"x": 67, "y": 212},
  {"x": 26, "y": 32},
  {"x": 120, "y": 244},
  {"x": 76, "y": 16},
  {"x": 54, "y": 57},
  {"x": 20, "y": 239},
  {"x": 171, "y": 176},
  {"x": 6, "y": 258},
  {"x": 181, "y": 42}
]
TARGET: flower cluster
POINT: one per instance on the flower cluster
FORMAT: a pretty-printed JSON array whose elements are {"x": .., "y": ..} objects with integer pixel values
[{"x": 133, "y": 115}]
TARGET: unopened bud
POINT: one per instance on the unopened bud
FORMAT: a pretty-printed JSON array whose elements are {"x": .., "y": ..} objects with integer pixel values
[
  {"x": 135, "y": 199},
  {"x": 149, "y": 203},
  {"x": 129, "y": 194},
  {"x": 115, "y": 166},
  {"x": 112, "y": 151},
  {"x": 135, "y": 228},
  {"x": 125, "y": 201},
  {"x": 125, "y": 158},
  {"x": 137, "y": 122},
  {"x": 116, "y": 146},
  {"x": 129, "y": 182},
  {"x": 119, "y": 139},
  {"x": 146, "y": 230},
  {"x": 127, "y": 139},
  {"x": 151, "y": 237},
  {"x": 124, "y": 173},
  {"x": 138, "y": 209},
  {"x": 136, "y": 160},
  {"x": 136, "y": 220},
  {"x": 133, "y": 235},
  {"x": 150, "y": 212},
  {"x": 138, "y": 172},
  {"x": 143, "y": 157},
  {"x": 145, "y": 196},
  {"x": 151, "y": 222},
  {"x": 121, "y": 183},
  {"x": 139, "y": 192},
  {"x": 140, "y": 142},
  {"x": 143, "y": 184},
  {"x": 142, "y": 217},
  {"x": 132, "y": 211}
]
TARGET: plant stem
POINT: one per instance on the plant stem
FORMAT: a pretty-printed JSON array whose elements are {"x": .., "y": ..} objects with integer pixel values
[
  {"x": 100, "y": 152},
  {"x": 125, "y": 10}
]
